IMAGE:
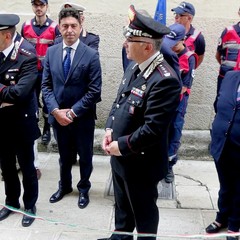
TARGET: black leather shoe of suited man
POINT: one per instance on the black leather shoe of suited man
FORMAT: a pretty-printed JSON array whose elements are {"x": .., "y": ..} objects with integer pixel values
[
  {"x": 83, "y": 200},
  {"x": 28, "y": 220},
  {"x": 4, "y": 213},
  {"x": 58, "y": 195},
  {"x": 114, "y": 237},
  {"x": 104, "y": 239}
]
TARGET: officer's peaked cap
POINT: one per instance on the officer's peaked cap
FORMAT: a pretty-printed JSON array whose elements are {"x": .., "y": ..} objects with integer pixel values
[
  {"x": 78, "y": 7},
  {"x": 8, "y": 21},
  {"x": 143, "y": 26}
]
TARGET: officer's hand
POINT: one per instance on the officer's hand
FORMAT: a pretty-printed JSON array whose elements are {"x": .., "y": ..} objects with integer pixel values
[
  {"x": 107, "y": 139},
  {"x": 113, "y": 149}
]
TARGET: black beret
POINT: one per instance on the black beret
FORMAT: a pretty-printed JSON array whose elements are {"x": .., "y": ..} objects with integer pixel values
[
  {"x": 8, "y": 21},
  {"x": 143, "y": 26}
]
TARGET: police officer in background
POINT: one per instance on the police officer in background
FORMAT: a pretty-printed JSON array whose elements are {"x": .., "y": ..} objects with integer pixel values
[
  {"x": 90, "y": 39},
  {"x": 194, "y": 39},
  {"x": 18, "y": 77},
  {"x": 137, "y": 128},
  {"x": 41, "y": 32},
  {"x": 227, "y": 53},
  {"x": 187, "y": 63}
]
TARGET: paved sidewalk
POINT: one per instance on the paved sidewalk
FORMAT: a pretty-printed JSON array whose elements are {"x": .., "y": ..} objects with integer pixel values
[{"x": 194, "y": 206}]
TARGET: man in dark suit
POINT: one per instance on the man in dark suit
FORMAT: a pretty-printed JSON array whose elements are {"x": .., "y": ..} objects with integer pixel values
[
  {"x": 137, "y": 128},
  {"x": 225, "y": 149},
  {"x": 18, "y": 76},
  {"x": 90, "y": 39},
  {"x": 71, "y": 88}
]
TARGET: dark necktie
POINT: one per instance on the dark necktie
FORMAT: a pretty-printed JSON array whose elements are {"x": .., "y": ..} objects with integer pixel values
[
  {"x": 67, "y": 62},
  {"x": 2, "y": 56},
  {"x": 135, "y": 73}
]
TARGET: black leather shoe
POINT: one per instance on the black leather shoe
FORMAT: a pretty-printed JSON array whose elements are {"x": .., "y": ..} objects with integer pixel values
[
  {"x": 170, "y": 176},
  {"x": 116, "y": 237},
  {"x": 46, "y": 137},
  {"x": 214, "y": 228},
  {"x": 58, "y": 195},
  {"x": 27, "y": 220},
  {"x": 4, "y": 213},
  {"x": 83, "y": 200}
]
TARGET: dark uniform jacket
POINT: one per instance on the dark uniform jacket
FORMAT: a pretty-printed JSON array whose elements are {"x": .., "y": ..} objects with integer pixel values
[
  {"x": 227, "y": 119},
  {"x": 18, "y": 75},
  {"x": 140, "y": 118}
]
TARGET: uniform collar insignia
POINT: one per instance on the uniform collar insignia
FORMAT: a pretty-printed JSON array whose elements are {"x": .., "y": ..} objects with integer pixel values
[
  {"x": 158, "y": 60},
  {"x": 15, "y": 50}
]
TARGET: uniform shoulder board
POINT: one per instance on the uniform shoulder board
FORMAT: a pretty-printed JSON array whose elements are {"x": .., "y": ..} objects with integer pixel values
[
  {"x": 92, "y": 33},
  {"x": 25, "y": 52},
  {"x": 165, "y": 70}
]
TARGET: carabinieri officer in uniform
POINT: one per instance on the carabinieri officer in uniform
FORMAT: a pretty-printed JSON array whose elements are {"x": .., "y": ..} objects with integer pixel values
[
  {"x": 137, "y": 128},
  {"x": 18, "y": 120}
]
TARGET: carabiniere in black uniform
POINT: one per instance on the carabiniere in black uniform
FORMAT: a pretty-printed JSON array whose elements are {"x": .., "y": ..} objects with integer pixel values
[
  {"x": 144, "y": 160},
  {"x": 19, "y": 127}
]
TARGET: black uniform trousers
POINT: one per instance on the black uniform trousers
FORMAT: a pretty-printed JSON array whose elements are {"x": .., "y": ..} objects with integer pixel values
[
  {"x": 78, "y": 135},
  {"x": 14, "y": 146},
  {"x": 228, "y": 169},
  {"x": 133, "y": 209}
]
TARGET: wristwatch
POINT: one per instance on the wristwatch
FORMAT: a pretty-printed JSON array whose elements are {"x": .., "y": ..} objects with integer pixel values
[{"x": 69, "y": 116}]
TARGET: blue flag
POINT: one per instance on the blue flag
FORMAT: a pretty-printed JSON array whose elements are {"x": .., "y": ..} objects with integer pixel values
[{"x": 160, "y": 13}]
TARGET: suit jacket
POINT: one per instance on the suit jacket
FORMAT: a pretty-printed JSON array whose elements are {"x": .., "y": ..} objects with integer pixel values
[
  {"x": 226, "y": 122},
  {"x": 140, "y": 117},
  {"x": 81, "y": 90},
  {"x": 18, "y": 75}
]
